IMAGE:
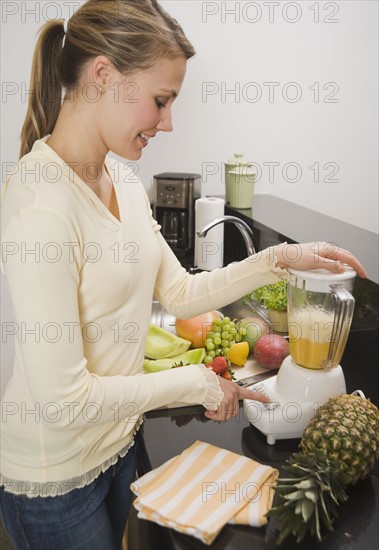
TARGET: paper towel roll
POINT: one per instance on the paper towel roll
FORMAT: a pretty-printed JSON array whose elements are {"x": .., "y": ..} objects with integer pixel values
[{"x": 209, "y": 250}]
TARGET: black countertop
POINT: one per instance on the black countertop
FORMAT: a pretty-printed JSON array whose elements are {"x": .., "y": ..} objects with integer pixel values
[{"x": 168, "y": 432}]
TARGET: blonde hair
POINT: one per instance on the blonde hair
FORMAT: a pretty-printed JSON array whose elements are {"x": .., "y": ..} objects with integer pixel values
[{"x": 132, "y": 34}]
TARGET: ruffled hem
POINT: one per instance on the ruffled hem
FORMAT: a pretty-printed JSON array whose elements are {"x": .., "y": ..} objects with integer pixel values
[
  {"x": 214, "y": 394},
  {"x": 34, "y": 489}
]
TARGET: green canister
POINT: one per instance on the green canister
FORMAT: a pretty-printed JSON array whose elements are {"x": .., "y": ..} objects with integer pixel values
[{"x": 239, "y": 182}]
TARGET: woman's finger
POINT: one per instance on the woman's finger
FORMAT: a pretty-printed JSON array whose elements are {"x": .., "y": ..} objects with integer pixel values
[
  {"x": 334, "y": 256},
  {"x": 223, "y": 413},
  {"x": 245, "y": 393}
]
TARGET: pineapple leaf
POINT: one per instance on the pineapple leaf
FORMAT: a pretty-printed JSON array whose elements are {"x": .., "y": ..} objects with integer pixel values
[
  {"x": 312, "y": 495},
  {"x": 306, "y": 484},
  {"x": 290, "y": 479},
  {"x": 308, "y": 503},
  {"x": 318, "y": 531},
  {"x": 302, "y": 531},
  {"x": 325, "y": 516},
  {"x": 307, "y": 509},
  {"x": 296, "y": 495}
]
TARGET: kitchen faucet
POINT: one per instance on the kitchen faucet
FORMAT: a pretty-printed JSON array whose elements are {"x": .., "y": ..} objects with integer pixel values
[
  {"x": 245, "y": 230},
  {"x": 247, "y": 234}
]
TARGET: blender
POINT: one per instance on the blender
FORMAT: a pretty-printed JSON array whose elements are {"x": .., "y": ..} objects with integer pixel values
[{"x": 320, "y": 311}]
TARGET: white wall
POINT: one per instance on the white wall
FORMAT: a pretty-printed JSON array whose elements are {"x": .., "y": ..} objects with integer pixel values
[
  {"x": 208, "y": 129},
  {"x": 246, "y": 51},
  {"x": 329, "y": 46}
]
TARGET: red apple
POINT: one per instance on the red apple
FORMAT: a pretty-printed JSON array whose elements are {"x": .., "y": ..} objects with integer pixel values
[{"x": 271, "y": 350}]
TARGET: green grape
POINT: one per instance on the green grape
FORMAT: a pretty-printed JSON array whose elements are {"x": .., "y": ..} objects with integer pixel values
[
  {"x": 208, "y": 359},
  {"x": 224, "y": 332},
  {"x": 242, "y": 331}
]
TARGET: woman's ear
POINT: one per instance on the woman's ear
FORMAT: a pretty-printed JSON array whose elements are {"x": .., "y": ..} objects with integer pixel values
[{"x": 102, "y": 71}]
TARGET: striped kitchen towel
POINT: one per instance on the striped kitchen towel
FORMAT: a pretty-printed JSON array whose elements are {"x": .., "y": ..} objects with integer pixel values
[{"x": 203, "y": 488}]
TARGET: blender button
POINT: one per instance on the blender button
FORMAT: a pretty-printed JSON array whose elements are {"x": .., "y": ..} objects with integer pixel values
[{"x": 271, "y": 406}]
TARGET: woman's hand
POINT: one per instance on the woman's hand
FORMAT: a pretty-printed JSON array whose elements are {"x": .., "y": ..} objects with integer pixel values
[
  {"x": 315, "y": 256},
  {"x": 229, "y": 406}
]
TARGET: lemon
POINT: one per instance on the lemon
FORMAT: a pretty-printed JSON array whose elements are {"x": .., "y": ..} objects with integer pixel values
[{"x": 238, "y": 353}]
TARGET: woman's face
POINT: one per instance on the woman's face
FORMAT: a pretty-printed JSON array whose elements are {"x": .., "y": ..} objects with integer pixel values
[{"x": 133, "y": 109}]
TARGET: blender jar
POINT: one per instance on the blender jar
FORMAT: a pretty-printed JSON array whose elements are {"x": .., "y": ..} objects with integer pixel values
[{"x": 320, "y": 311}]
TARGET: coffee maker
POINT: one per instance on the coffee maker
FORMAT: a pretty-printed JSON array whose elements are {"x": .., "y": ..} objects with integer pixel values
[{"x": 174, "y": 209}]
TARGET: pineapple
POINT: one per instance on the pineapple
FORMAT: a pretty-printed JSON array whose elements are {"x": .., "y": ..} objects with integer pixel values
[{"x": 339, "y": 446}]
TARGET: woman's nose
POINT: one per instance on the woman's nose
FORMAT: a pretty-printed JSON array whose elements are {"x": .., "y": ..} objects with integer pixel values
[{"x": 165, "y": 121}]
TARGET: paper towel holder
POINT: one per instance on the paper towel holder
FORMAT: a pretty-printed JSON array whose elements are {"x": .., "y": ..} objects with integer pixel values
[{"x": 245, "y": 230}]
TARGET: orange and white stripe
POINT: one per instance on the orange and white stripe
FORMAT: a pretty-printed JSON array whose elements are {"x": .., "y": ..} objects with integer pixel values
[{"x": 202, "y": 489}]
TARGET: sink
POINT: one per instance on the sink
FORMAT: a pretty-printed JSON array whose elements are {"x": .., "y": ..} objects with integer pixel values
[
  {"x": 163, "y": 319},
  {"x": 236, "y": 310}
]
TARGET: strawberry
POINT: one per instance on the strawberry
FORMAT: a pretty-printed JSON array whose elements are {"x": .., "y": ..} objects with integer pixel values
[
  {"x": 226, "y": 375},
  {"x": 220, "y": 365}
]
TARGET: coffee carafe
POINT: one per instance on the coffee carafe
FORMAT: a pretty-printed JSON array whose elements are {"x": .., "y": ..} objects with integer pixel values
[
  {"x": 320, "y": 311},
  {"x": 171, "y": 227}
]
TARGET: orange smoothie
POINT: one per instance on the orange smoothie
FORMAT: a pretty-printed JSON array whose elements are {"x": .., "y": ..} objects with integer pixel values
[
  {"x": 308, "y": 354},
  {"x": 309, "y": 335}
]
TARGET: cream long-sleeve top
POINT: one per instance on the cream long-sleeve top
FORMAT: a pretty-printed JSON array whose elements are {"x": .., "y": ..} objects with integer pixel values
[{"x": 81, "y": 284}]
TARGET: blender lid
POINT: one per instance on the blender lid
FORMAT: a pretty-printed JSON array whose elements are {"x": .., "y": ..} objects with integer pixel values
[
  {"x": 319, "y": 279},
  {"x": 323, "y": 274}
]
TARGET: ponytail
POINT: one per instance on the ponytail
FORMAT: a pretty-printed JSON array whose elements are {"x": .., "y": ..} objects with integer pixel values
[{"x": 45, "y": 87}]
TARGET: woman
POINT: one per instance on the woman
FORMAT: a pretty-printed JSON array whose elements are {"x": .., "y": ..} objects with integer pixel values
[{"x": 83, "y": 258}]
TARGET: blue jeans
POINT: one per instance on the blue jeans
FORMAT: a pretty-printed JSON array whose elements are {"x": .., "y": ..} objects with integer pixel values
[{"x": 91, "y": 518}]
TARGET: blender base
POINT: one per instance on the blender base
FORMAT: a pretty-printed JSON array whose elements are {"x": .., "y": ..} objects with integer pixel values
[{"x": 296, "y": 394}]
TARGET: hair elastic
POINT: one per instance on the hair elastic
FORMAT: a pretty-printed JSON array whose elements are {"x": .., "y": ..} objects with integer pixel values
[{"x": 65, "y": 22}]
